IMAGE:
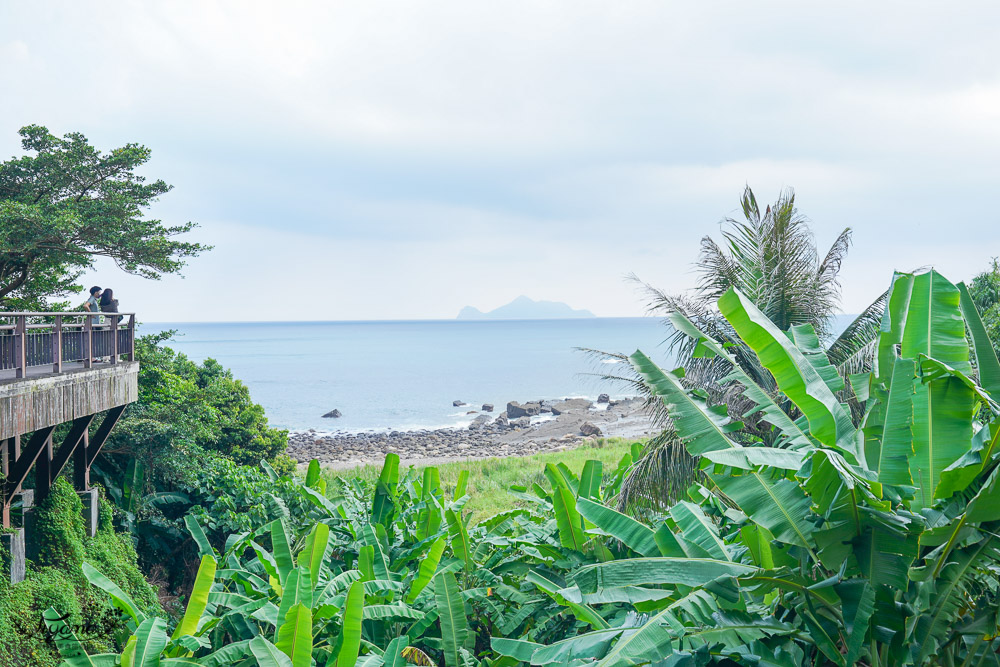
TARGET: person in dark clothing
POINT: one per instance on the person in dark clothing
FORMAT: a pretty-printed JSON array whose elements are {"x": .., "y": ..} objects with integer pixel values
[{"x": 109, "y": 304}]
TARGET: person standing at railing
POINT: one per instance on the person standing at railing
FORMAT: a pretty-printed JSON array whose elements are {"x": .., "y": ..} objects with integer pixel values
[
  {"x": 109, "y": 304},
  {"x": 93, "y": 304}
]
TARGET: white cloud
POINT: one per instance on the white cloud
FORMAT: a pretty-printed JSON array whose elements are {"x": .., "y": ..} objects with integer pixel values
[{"x": 379, "y": 159}]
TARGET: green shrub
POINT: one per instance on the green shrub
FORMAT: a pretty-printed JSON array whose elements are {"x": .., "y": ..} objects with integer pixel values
[{"x": 55, "y": 579}]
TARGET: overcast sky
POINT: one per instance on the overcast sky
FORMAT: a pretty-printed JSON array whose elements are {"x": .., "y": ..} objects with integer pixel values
[{"x": 373, "y": 160}]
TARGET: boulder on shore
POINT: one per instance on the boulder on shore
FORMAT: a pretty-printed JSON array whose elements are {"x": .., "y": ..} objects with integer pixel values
[
  {"x": 603, "y": 398},
  {"x": 458, "y": 404},
  {"x": 502, "y": 421},
  {"x": 332, "y": 414},
  {"x": 521, "y": 422},
  {"x": 479, "y": 422},
  {"x": 586, "y": 428},
  {"x": 516, "y": 410},
  {"x": 571, "y": 405},
  {"x": 487, "y": 407}
]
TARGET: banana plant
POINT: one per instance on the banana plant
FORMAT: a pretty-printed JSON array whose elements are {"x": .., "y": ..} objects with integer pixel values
[{"x": 829, "y": 543}]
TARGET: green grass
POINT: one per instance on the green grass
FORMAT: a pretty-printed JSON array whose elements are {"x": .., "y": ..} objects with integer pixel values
[{"x": 490, "y": 479}]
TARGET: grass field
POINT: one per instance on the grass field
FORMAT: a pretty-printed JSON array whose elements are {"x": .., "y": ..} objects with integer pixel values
[{"x": 489, "y": 479}]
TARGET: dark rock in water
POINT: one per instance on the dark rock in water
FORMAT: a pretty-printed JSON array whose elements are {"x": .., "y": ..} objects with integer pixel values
[
  {"x": 332, "y": 414},
  {"x": 603, "y": 398},
  {"x": 545, "y": 409},
  {"x": 521, "y": 422},
  {"x": 502, "y": 421},
  {"x": 458, "y": 404},
  {"x": 487, "y": 407},
  {"x": 516, "y": 410},
  {"x": 471, "y": 412},
  {"x": 586, "y": 428},
  {"x": 479, "y": 422},
  {"x": 571, "y": 405}
]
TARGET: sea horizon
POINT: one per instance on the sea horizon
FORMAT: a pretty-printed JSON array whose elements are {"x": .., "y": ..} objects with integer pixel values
[{"x": 386, "y": 375}]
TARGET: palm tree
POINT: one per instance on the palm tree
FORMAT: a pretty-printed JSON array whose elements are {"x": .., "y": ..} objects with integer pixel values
[{"x": 772, "y": 258}]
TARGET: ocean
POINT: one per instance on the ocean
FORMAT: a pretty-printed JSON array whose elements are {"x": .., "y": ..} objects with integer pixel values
[{"x": 405, "y": 375}]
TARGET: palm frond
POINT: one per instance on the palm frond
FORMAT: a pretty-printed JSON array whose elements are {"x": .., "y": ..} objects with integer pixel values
[{"x": 850, "y": 352}]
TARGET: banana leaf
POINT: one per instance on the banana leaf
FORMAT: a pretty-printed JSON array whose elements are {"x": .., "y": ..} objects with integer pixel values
[
  {"x": 798, "y": 379},
  {"x": 633, "y": 534},
  {"x": 199, "y": 598},
  {"x": 267, "y": 654},
  {"x": 314, "y": 551},
  {"x": 281, "y": 550},
  {"x": 353, "y": 614},
  {"x": 460, "y": 542},
  {"x": 66, "y": 641},
  {"x": 451, "y": 614},
  {"x": 701, "y": 428},
  {"x": 692, "y": 572},
  {"x": 582, "y": 611},
  {"x": 312, "y": 473},
  {"x": 428, "y": 566},
  {"x": 698, "y": 528},
  {"x": 942, "y": 433},
  {"x": 934, "y": 324},
  {"x": 650, "y": 643},
  {"x": 779, "y": 505},
  {"x": 119, "y": 598},
  {"x": 986, "y": 357},
  {"x": 590, "y": 480},
  {"x": 393, "y": 656},
  {"x": 298, "y": 589},
  {"x": 295, "y": 636},
  {"x": 570, "y": 524},
  {"x": 150, "y": 640},
  {"x": 383, "y": 502},
  {"x": 795, "y": 437}
]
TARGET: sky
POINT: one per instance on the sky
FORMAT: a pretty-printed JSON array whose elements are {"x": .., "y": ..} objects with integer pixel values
[{"x": 377, "y": 160}]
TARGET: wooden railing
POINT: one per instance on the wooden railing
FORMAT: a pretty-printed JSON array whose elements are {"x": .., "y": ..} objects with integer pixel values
[{"x": 29, "y": 340}]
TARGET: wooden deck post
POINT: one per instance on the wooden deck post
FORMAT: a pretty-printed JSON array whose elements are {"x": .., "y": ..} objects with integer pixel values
[
  {"x": 88, "y": 341},
  {"x": 20, "y": 347},
  {"x": 5, "y": 446},
  {"x": 57, "y": 345},
  {"x": 113, "y": 327},
  {"x": 131, "y": 337}
]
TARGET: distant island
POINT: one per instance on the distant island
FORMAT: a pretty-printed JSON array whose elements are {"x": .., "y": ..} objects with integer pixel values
[{"x": 523, "y": 308}]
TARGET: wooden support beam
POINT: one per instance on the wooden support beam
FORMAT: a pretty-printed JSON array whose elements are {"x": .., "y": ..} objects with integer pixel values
[
  {"x": 69, "y": 445},
  {"x": 43, "y": 470},
  {"x": 103, "y": 431},
  {"x": 21, "y": 466},
  {"x": 81, "y": 471}
]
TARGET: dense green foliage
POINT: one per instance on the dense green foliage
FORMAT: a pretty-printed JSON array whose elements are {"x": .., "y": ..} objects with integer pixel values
[
  {"x": 826, "y": 543},
  {"x": 185, "y": 407},
  {"x": 56, "y": 580},
  {"x": 985, "y": 292},
  {"x": 69, "y": 203},
  {"x": 772, "y": 259},
  {"x": 179, "y": 449}
]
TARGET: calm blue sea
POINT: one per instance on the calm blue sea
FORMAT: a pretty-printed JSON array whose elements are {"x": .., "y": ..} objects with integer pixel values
[{"x": 405, "y": 375}]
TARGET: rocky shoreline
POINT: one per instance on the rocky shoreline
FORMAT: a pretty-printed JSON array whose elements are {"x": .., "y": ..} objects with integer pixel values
[{"x": 520, "y": 430}]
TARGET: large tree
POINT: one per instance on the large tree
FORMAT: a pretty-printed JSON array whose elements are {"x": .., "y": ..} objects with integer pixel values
[
  {"x": 771, "y": 257},
  {"x": 66, "y": 203}
]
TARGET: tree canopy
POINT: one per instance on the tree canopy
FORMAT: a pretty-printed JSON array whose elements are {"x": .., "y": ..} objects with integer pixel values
[{"x": 67, "y": 203}]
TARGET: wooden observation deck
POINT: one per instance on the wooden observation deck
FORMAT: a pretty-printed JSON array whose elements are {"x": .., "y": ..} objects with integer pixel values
[{"x": 75, "y": 369}]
